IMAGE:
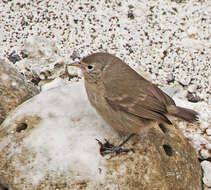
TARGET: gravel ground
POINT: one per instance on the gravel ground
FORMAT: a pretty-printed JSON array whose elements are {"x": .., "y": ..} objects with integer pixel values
[{"x": 168, "y": 39}]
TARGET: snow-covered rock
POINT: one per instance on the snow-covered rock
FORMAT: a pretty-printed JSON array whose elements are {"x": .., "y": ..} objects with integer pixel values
[{"x": 49, "y": 142}]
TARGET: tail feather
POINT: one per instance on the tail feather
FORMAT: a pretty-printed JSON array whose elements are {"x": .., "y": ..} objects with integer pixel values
[{"x": 183, "y": 113}]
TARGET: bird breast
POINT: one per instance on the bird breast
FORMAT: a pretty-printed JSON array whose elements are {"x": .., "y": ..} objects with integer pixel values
[{"x": 120, "y": 121}]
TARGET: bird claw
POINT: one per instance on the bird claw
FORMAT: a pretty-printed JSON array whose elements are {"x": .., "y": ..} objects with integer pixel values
[{"x": 108, "y": 148}]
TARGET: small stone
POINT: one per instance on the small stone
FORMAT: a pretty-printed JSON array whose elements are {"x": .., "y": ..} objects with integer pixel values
[
  {"x": 170, "y": 78},
  {"x": 179, "y": 1},
  {"x": 23, "y": 55},
  {"x": 192, "y": 31},
  {"x": 130, "y": 6},
  {"x": 204, "y": 153},
  {"x": 192, "y": 88},
  {"x": 184, "y": 81},
  {"x": 172, "y": 89},
  {"x": 130, "y": 15},
  {"x": 13, "y": 57},
  {"x": 192, "y": 97},
  {"x": 208, "y": 131},
  {"x": 35, "y": 80},
  {"x": 206, "y": 166},
  {"x": 75, "y": 55}
]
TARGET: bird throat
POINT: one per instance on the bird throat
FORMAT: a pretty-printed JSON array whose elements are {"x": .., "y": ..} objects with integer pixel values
[{"x": 93, "y": 78}]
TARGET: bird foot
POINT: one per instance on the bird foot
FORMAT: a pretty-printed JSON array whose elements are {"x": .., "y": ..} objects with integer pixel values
[{"x": 108, "y": 148}]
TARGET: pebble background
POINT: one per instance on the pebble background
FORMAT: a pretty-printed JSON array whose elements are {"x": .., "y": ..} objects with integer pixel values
[{"x": 168, "y": 39}]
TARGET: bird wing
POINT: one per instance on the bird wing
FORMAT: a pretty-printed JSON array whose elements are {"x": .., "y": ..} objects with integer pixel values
[{"x": 136, "y": 96}]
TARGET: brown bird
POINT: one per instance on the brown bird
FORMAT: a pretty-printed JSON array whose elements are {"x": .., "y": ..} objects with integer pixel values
[{"x": 124, "y": 99}]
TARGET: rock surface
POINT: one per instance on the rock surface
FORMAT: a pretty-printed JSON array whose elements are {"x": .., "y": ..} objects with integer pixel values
[
  {"x": 49, "y": 143},
  {"x": 13, "y": 89}
]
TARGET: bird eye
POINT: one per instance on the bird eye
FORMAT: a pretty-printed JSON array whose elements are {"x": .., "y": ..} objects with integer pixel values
[{"x": 90, "y": 67}]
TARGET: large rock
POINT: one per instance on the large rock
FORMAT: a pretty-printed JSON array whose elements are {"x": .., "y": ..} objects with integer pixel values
[
  {"x": 13, "y": 89},
  {"x": 48, "y": 143}
]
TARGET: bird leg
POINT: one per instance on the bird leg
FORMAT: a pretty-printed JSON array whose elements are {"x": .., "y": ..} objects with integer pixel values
[{"x": 108, "y": 148}]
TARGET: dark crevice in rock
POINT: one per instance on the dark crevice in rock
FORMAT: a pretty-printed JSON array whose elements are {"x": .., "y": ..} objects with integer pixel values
[
  {"x": 168, "y": 150},
  {"x": 21, "y": 127},
  {"x": 162, "y": 127},
  {"x": 207, "y": 159}
]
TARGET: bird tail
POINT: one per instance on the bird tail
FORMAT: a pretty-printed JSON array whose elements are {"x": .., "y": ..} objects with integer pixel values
[{"x": 183, "y": 113}]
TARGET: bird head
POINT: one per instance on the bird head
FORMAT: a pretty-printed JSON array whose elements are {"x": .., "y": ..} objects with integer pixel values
[{"x": 93, "y": 66}]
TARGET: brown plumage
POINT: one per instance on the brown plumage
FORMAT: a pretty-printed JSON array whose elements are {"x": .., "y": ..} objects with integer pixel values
[{"x": 124, "y": 99}]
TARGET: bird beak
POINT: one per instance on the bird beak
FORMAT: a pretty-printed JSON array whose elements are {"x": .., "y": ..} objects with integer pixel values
[{"x": 76, "y": 64}]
